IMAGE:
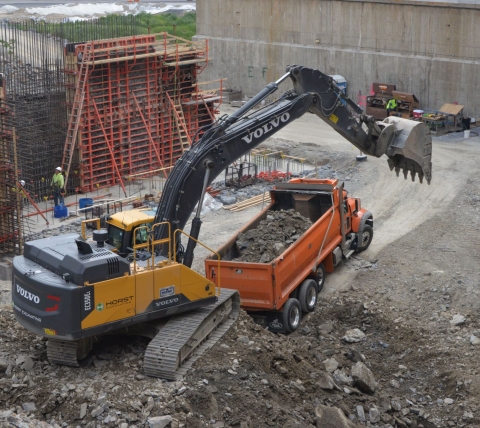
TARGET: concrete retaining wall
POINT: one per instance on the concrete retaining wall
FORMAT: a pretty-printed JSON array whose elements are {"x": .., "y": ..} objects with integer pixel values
[{"x": 432, "y": 50}]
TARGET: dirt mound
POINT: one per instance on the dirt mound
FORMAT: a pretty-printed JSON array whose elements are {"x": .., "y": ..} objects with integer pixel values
[{"x": 272, "y": 237}]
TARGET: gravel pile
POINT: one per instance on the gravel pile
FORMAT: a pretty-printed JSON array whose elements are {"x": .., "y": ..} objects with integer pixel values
[{"x": 272, "y": 237}]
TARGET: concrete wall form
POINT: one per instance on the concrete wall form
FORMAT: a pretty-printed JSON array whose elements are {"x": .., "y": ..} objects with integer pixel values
[{"x": 432, "y": 50}]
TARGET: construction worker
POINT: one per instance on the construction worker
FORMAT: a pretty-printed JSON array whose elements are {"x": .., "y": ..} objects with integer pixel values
[
  {"x": 58, "y": 186},
  {"x": 391, "y": 106}
]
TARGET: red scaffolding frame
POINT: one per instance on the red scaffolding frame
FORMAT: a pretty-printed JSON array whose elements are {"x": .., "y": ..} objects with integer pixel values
[{"x": 135, "y": 106}]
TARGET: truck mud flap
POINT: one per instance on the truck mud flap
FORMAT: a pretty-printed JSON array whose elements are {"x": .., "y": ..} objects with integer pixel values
[{"x": 272, "y": 320}]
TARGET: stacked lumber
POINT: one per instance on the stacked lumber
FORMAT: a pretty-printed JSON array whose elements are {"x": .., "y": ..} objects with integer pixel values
[{"x": 247, "y": 203}]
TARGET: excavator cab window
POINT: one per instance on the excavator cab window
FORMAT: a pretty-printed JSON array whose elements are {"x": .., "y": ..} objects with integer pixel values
[{"x": 115, "y": 236}]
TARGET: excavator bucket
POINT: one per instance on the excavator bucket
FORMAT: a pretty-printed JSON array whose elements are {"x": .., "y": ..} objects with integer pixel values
[{"x": 410, "y": 149}]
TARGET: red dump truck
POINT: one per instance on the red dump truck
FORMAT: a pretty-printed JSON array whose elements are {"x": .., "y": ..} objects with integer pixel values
[{"x": 276, "y": 293}]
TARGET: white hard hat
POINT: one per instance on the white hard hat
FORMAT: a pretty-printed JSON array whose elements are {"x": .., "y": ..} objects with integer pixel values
[
  {"x": 22, "y": 182},
  {"x": 58, "y": 168}
]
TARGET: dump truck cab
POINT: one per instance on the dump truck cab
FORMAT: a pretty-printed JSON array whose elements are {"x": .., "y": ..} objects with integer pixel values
[{"x": 121, "y": 229}]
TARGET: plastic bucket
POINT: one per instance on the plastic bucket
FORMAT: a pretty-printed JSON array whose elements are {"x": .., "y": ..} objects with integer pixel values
[
  {"x": 417, "y": 113},
  {"x": 60, "y": 211},
  {"x": 466, "y": 134},
  {"x": 83, "y": 202}
]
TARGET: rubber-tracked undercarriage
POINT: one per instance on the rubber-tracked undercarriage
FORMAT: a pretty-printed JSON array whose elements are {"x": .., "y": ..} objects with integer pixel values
[{"x": 176, "y": 343}]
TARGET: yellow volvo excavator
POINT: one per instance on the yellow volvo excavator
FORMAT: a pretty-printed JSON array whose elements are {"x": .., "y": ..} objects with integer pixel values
[{"x": 71, "y": 291}]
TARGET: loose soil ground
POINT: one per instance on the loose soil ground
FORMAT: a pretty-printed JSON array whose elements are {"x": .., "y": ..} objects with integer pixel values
[{"x": 421, "y": 269}]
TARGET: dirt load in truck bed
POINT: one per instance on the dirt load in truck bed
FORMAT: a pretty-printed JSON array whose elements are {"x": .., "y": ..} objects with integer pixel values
[{"x": 272, "y": 237}]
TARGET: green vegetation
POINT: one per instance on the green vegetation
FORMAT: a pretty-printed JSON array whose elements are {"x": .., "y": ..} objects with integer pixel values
[
  {"x": 179, "y": 25},
  {"x": 111, "y": 26}
]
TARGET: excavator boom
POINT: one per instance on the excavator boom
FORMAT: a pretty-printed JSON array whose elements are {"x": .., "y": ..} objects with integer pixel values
[{"x": 407, "y": 144}]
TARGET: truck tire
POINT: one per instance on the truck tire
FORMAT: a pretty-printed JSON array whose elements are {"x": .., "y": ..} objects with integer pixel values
[
  {"x": 365, "y": 238},
  {"x": 292, "y": 314},
  {"x": 308, "y": 295},
  {"x": 320, "y": 277}
]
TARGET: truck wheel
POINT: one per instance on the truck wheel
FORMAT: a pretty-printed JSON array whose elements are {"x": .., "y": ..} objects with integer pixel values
[
  {"x": 365, "y": 238},
  {"x": 320, "y": 277},
  {"x": 292, "y": 314},
  {"x": 308, "y": 295}
]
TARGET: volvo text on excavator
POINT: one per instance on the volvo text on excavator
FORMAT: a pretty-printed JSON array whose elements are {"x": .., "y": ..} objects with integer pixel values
[{"x": 72, "y": 291}]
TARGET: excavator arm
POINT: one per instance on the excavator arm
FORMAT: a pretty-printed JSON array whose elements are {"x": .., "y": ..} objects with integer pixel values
[{"x": 406, "y": 143}]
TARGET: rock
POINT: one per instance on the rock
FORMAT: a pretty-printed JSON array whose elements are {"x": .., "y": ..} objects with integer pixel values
[
  {"x": 396, "y": 405},
  {"x": 3, "y": 365},
  {"x": 83, "y": 410},
  {"x": 97, "y": 411},
  {"x": 297, "y": 386},
  {"x": 374, "y": 415},
  {"x": 354, "y": 355},
  {"x": 354, "y": 336},
  {"x": 325, "y": 328},
  {"x": 227, "y": 200},
  {"x": 160, "y": 421},
  {"x": 384, "y": 403},
  {"x": 341, "y": 378},
  {"x": 331, "y": 417},
  {"x": 361, "y": 413},
  {"x": 331, "y": 364},
  {"x": 448, "y": 401},
  {"x": 457, "y": 320},
  {"x": 363, "y": 378},
  {"x": 243, "y": 340},
  {"x": 29, "y": 407},
  {"x": 279, "y": 248},
  {"x": 20, "y": 360},
  {"x": 325, "y": 382},
  {"x": 395, "y": 384},
  {"x": 28, "y": 364},
  {"x": 474, "y": 340},
  {"x": 101, "y": 399}
]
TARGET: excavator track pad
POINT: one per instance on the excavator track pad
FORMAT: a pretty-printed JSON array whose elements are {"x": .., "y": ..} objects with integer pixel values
[{"x": 186, "y": 337}]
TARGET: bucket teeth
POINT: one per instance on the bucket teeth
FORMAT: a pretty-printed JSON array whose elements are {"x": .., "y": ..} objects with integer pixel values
[{"x": 409, "y": 166}]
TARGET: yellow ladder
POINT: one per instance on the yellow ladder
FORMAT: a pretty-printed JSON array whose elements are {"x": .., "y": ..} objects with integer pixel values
[{"x": 182, "y": 130}]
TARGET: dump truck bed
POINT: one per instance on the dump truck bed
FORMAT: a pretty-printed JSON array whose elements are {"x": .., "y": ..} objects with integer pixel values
[{"x": 267, "y": 286}]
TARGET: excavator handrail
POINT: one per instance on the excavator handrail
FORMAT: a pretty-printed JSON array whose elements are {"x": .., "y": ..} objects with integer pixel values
[
  {"x": 217, "y": 286},
  {"x": 150, "y": 243},
  {"x": 84, "y": 224}
]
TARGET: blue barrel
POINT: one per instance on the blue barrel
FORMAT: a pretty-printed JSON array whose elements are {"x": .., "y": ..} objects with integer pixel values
[
  {"x": 60, "y": 211},
  {"x": 83, "y": 202}
]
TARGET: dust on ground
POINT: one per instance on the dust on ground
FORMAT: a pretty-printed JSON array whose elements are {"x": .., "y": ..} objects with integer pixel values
[{"x": 411, "y": 301}]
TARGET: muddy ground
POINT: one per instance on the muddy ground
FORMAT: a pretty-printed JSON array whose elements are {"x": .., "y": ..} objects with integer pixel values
[{"x": 413, "y": 294}]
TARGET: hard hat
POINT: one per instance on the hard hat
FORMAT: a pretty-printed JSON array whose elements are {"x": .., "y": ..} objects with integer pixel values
[
  {"x": 58, "y": 168},
  {"x": 22, "y": 182}
]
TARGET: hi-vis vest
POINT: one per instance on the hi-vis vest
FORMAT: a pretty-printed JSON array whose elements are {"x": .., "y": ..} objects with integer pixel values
[{"x": 392, "y": 104}]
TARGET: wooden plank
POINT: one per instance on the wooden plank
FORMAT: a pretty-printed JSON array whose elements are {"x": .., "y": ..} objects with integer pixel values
[{"x": 451, "y": 109}]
